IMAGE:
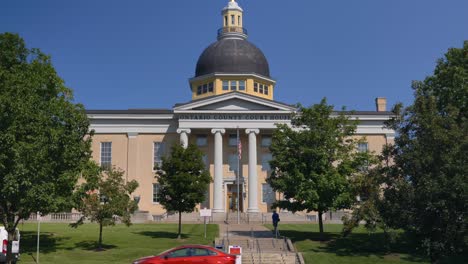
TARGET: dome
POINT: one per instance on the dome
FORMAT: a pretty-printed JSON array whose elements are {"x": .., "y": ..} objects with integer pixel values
[{"x": 232, "y": 55}]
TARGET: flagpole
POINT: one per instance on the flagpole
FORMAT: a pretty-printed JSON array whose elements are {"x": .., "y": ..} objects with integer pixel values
[{"x": 238, "y": 176}]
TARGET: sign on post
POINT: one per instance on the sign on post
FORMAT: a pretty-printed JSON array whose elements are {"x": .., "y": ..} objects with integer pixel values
[
  {"x": 205, "y": 213},
  {"x": 236, "y": 250}
]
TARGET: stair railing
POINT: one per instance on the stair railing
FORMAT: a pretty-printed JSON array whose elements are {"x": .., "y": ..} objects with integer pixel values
[{"x": 259, "y": 251}]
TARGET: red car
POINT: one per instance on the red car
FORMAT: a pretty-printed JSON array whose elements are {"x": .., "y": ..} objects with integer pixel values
[{"x": 189, "y": 254}]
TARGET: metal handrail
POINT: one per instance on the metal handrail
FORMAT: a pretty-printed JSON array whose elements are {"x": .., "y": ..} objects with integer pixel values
[{"x": 259, "y": 251}]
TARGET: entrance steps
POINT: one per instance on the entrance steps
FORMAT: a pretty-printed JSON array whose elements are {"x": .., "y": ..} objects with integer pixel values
[{"x": 268, "y": 258}]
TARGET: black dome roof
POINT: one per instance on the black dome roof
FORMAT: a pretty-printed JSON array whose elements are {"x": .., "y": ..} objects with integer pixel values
[{"x": 232, "y": 55}]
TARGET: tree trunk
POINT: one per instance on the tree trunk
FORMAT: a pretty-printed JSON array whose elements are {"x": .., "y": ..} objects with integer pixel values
[
  {"x": 180, "y": 225},
  {"x": 100, "y": 236},
  {"x": 10, "y": 228},
  {"x": 9, "y": 256},
  {"x": 320, "y": 225}
]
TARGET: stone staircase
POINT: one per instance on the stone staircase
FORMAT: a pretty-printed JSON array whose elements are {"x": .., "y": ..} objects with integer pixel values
[
  {"x": 266, "y": 258},
  {"x": 258, "y": 244}
]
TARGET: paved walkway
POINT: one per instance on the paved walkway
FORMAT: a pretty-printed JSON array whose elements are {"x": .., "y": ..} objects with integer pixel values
[{"x": 244, "y": 231}]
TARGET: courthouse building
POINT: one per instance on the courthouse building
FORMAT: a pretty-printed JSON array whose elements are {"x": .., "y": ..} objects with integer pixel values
[{"x": 232, "y": 90}]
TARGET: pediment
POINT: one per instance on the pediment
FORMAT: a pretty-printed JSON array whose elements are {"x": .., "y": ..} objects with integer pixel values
[{"x": 235, "y": 102}]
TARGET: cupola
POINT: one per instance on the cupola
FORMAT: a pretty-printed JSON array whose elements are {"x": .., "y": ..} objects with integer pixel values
[{"x": 232, "y": 63}]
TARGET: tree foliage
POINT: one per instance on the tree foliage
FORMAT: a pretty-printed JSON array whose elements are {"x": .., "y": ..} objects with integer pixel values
[
  {"x": 314, "y": 159},
  {"x": 104, "y": 197},
  {"x": 43, "y": 135},
  {"x": 183, "y": 180},
  {"x": 427, "y": 192}
]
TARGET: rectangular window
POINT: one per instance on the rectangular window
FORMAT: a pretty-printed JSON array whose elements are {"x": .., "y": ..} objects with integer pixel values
[
  {"x": 239, "y": 20},
  {"x": 266, "y": 141},
  {"x": 205, "y": 159},
  {"x": 266, "y": 161},
  {"x": 363, "y": 147},
  {"x": 202, "y": 140},
  {"x": 233, "y": 85},
  {"x": 241, "y": 85},
  {"x": 159, "y": 151},
  {"x": 205, "y": 88},
  {"x": 225, "y": 85},
  {"x": 268, "y": 195},
  {"x": 256, "y": 87},
  {"x": 232, "y": 162},
  {"x": 232, "y": 140},
  {"x": 199, "y": 90},
  {"x": 210, "y": 87},
  {"x": 261, "y": 89},
  {"x": 233, "y": 20},
  {"x": 266, "y": 90},
  {"x": 106, "y": 154},
  {"x": 155, "y": 192}
]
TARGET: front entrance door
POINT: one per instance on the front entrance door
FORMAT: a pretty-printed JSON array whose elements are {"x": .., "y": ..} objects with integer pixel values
[{"x": 232, "y": 203}]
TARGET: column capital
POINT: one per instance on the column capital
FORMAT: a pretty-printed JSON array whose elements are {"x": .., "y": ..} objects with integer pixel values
[
  {"x": 252, "y": 130},
  {"x": 184, "y": 130},
  {"x": 216, "y": 130}
]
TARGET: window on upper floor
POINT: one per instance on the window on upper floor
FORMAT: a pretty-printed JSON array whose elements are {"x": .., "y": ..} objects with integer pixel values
[
  {"x": 232, "y": 162},
  {"x": 205, "y": 88},
  {"x": 266, "y": 158},
  {"x": 234, "y": 85},
  {"x": 202, "y": 140},
  {"x": 159, "y": 150},
  {"x": 232, "y": 142},
  {"x": 363, "y": 147},
  {"x": 106, "y": 155},
  {"x": 233, "y": 20},
  {"x": 205, "y": 159},
  {"x": 266, "y": 141},
  {"x": 241, "y": 85},
  {"x": 261, "y": 88}
]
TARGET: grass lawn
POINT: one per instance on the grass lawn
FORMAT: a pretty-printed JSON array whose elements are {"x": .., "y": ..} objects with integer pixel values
[
  {"x": 63, "y": 244},
  {"x": 359, "y": 247}
]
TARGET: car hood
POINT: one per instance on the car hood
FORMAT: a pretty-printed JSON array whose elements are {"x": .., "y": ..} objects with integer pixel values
[{"x": 143, "y": 259}]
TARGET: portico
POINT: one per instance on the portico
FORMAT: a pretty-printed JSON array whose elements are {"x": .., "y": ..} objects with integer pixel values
[{"x": 220, "y": 118}]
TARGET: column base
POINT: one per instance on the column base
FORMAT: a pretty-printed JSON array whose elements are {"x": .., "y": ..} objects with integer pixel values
[{"x": 253, "y": 210}]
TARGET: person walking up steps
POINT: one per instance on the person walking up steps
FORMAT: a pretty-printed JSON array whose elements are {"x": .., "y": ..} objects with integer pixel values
[{"x": 275, "y": 218}]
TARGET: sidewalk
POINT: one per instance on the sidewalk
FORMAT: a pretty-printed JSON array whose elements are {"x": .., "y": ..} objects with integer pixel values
[{"x": 244, "y": 231}]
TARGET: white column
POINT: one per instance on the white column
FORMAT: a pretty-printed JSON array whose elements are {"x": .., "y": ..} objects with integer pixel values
[
  {"x": 184, "y": 136},
  {"x": 253, "y": 179},
  {"x": 218, "y": 171}
]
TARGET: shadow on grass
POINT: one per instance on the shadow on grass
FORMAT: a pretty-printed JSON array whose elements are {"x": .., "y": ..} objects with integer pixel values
[
  {"x": 161, "y": 234},
  {"x": 48, "y": 242},
  {"x": 93, "y": 246},
  {"x": 359, "y": 244}
]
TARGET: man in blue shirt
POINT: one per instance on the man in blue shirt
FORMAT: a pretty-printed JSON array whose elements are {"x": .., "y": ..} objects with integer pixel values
[{"x": 275, "y": 218}]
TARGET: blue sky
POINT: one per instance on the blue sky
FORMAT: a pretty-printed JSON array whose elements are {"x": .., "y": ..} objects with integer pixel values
[{"x": 123, "y": 54}]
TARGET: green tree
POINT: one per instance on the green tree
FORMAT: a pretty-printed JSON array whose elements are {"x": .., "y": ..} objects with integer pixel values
[
  {"x": 427, "y": 192},
  {"x": 183, "y": 180},
  {"x": 43, "y": 135},
  {"x": 313, "y": 160},
  {"x": 104, "y": 197},
  {"x": 367, "y": 184}
]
